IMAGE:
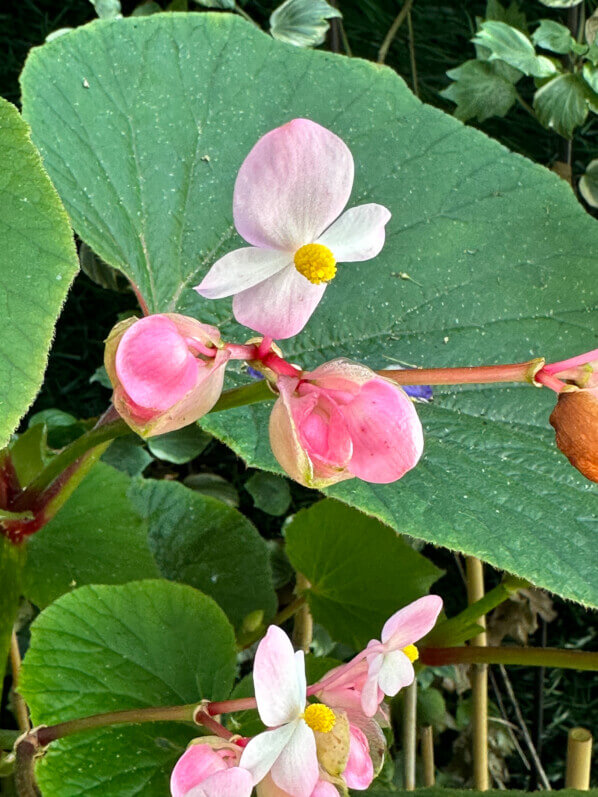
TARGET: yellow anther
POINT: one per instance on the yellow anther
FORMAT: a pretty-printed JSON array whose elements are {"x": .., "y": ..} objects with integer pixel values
[
  {"x": 316, "y": 262},
  {"x": 411, "y": 652},
  {"x": 319, "y": 717}
]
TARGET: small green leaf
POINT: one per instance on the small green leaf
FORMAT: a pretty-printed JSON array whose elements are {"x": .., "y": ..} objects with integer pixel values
[
  {"x": 214, "y": 486},
  {"x": 511, "y": 45},
  {"x": 62, "y": 428},
  {"x": 512, "y": 14},
  {"x": 270, "y": 493},
  {"x": 127, "y": 454},
  {"x": 95, "y": 268},
  {"x": 588, "y": 184},
  {"x": 553, "y": 36},
  {"x": 145, "y": 9},
  {"x": 12, "y": 560},
  {"x": 563, "y": 103},
  {"x": 227, "y": 5},
  {"x": 39, "y": 261},
  {"x": 561, "y": 3},
  {"x": 302, "y": 22},
  {"x": 28, "y": 453},
  {"x": 360, "y": 571},
  {"x": 480, "y": 91},
  {"x": 200, "y": 541},
  {"x": 179, "y": 447},
  {"x": 105, "y": 648},
  {"x": 96, "y": 538},
  {"x": 107, "y": 9},
  {"x": 590, "y": 75}
]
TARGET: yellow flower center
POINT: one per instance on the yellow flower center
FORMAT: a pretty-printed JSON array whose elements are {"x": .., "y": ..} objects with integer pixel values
[
  {"x": 319, "y": 717},
  {"x": 316, "y": 262},
  {"x": 411, "y": 652}
]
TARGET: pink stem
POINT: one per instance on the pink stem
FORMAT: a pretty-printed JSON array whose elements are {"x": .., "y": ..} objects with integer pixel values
[
  {"x": 201, "y": 717},
  {"x": 264, "y": 347},
  {"x": 280, "y": 366},
  {"x": 140, "y": 299},
  {"x": 228, "y": 706},
  {"x": 572, "y": 362},
  {"x": 550, "y": 381},
  {"x": 201, "y": 348},
  {"x": 485, "y": 374},
  {"x": 239, "y": 352}
]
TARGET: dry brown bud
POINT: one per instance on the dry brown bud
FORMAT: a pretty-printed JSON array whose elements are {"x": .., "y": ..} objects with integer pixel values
[{"x": 575, "y": 420}]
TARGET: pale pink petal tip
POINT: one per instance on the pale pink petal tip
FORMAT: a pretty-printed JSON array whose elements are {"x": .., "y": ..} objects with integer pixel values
[
  {"x": 235, "y": 782},
  {"x": 359, "y": 772},
  {"x": 197, "y": 763},
  {"x": 293, "y": 184},
  {"x": 154, "y": 364},
  {"x": 277, "y": 686},
  {"x": 413, "y": 622}
]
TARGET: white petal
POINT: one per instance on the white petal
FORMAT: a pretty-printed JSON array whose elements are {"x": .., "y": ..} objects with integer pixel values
[
  {"x": 296, "y": 768},
  {"x": 263, "y": 750},
  {"x": 279, "y": 691},
  {"x": 395, "y": 673},
  {"x": 280, "y": 306},
  {"x": 292, "y": 185},
  {"x": 240, "y": 269},
  {"x": 358, "y": 234}
]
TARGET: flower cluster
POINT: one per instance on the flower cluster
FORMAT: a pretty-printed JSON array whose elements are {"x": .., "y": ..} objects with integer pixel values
[
  {"x": 341, "y": 420},
  {"x": 319, "y": 740}
]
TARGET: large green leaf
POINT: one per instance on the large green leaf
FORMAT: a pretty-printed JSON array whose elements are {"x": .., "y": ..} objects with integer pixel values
[
  {"x": 359, "y": 571},
  {"x": 99, "y": 649},
  {"x": 96, "y": 538},
  {"x": 204, "y": 542},
  {"x": 37, "y": 265},
  {"x": 499, "y": 254}
]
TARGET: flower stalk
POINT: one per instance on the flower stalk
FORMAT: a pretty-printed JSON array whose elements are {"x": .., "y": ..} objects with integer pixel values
[{"x": 481, "y": 375}]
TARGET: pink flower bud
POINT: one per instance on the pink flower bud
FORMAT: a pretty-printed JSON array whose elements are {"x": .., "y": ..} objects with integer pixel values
[
  {"x": 208, "y": 768},
  {"x": 343, "y": 421},
  {"x": 167, "y": 371},
  {"x": 359, "y": 772}
]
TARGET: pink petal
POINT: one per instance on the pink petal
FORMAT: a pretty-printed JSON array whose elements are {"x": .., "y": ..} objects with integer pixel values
[
  {"x": 371, "y": 694},
  {"x": 322, "y": 430},
  {"x": 395, "y": 673},
  {"x": 359, "y": 772},
  {"x": 242, "y": 269},
  {"x": 358, "y": 234},
  {"x": 261, "y": 752},
  {"x": 293, "y": 184},
  {"x": 387, "y": 434},
  {"x": 235, "y": 782},
  {"x": 296, "y": 769},
  {"x": 411, "y": 623},
  {"x": 324, "y": 789},
  {"x": 279, "y": 691},
  {"x": 197, "y": 763},
  {"x": 283, "y": 435},
  {"x": 154, "y": 364},
  {"x": 280, "y": 306}
]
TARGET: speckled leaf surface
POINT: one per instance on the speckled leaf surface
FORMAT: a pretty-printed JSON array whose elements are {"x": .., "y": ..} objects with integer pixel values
[
  {"x": 143, "y": 124},
  {"x": 37, "y": 264}
]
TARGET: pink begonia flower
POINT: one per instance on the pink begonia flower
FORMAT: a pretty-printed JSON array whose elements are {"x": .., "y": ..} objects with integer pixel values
[
  {"x": 206, "y": 771},
  {"x": 359, "y": 772},
  {"x": 343, "y": 420},
  {"x": 390, "y": 666},
  {"x": 166, "y": 370},
  {"x": 289, "y": 194},
  {"x": 287, "y": 752}
]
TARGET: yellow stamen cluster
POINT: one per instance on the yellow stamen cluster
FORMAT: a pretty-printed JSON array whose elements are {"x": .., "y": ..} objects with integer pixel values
[
  {"x": 319, "y": 717},
  {"x": 316, "y": 262},
  {"x": 411, "y": 652}
]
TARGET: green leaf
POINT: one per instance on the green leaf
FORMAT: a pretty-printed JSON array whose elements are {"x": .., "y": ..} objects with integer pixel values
[
  {"x": 588, "y": 184},
  {"x": 360, "y": 572},
  {"x": 127, "y": 454},
  {"x": 105, "y": 648},
  {"x": 179, "y": 447},
  {"x": 96, "y": 538},
  {"x": 480, "y": 91},
  {"x": 512, "y": 14},
  {"x": 29, "y": 454},
  {"x": 302, "y": 22},
  {"x": 12, "y": 560},
  {"x": 213, "y": 485},
  {"x": 553, "y": 36},
  {"x": 107, "y": 9},
  {"x": 590, "y": 75},
  {"x": 560, "y": 3},
  {"x": 270, "y": 493},
  {"x": 563, "y": 103},
  {"x": 62, "y": 427},
  {"x": 203, "y": 542},
  {"x": 513, "y": 46},
  {"x": 491, "y": 241},
  {"x": 39, "y": 262},
  {"x": 228, "y": 5}
]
